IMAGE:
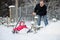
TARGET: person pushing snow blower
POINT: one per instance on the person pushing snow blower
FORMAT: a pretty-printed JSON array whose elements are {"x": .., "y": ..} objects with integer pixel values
[{"x": 41, "y": 11}]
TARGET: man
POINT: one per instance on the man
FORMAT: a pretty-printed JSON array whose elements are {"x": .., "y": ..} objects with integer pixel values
[{"x": 41, "y": 11}]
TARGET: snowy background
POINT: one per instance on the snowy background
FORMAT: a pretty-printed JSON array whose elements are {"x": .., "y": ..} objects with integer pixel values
[
  {"x": 25, "y": 9},
  {"x": 50, "y": 32}
]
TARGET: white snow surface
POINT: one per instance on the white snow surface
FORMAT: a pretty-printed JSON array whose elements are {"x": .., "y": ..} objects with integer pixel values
[{"x": 50, "y": 32}]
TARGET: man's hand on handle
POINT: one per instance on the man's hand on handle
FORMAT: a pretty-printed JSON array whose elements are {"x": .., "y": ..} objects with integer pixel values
[{"x": 33, "y": 13}]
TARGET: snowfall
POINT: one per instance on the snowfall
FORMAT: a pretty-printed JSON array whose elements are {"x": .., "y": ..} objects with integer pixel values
[{"x": 50, "y": 32}]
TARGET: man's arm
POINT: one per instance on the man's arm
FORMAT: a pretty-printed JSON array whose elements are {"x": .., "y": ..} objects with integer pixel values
[
  {"x": 35, "y": 10},
  {"x": 34, "y": 13}
]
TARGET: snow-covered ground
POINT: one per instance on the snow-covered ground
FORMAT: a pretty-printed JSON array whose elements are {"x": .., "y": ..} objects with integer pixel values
[{"x": 50, "y": 32}]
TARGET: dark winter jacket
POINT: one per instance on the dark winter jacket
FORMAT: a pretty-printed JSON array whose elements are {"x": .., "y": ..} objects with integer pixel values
[{"x": 40, "y": 10}]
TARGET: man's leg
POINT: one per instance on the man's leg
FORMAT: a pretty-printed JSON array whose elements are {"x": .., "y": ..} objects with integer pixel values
[
  {"x": 39, "y": 20},
  {"x": 45, "y": 20}
]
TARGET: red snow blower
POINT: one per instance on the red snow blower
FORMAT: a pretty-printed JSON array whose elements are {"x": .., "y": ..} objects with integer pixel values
[{"x": 19, "y": 27}]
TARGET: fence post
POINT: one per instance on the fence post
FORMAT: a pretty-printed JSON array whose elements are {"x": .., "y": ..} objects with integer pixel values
[{"x": 16, "y": 4}]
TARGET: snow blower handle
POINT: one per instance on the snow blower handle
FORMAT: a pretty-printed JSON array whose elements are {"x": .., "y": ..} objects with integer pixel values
[{"x": 18, "y": 22}]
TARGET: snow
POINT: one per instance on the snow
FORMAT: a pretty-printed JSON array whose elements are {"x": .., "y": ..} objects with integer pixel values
[{"x": 50, "y": 32}]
